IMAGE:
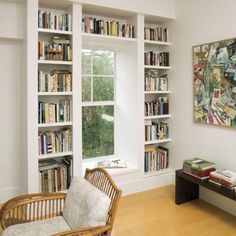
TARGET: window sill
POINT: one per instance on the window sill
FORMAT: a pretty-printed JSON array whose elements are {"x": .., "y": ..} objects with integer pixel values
[{"x": 112, "y": 171}]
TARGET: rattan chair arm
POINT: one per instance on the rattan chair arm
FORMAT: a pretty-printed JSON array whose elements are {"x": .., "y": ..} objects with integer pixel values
[
  {"x": 31, "y": 207},
  {"x": 88, "y": 231}
]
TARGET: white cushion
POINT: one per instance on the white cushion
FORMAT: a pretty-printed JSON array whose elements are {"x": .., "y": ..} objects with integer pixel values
[
  {"x": 38, "y": 228},
  {"x": 85, "y": 205}
]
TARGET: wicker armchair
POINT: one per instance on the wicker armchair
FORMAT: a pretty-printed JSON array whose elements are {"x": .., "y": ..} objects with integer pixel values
[{"x": 34, "y": 207}]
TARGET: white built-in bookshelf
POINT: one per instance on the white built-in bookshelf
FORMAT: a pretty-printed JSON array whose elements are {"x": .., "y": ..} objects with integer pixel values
[
  {"x": 156, "y": 98},
  {"x": 55, "y": 108}
]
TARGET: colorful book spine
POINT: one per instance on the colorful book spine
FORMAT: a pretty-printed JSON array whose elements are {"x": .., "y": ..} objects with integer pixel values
[
  {"x": 156, "y": 34},
  {"x": 156, "y": 159},
  {"x": 110, "y": 28},
  {"x": 152, "y": 58},
  {"x": 157, "y": 107},
  {"x": 54, "y": 112},
  {"x": 54, "y": 21},
  {"x": 56, "y": 81}
]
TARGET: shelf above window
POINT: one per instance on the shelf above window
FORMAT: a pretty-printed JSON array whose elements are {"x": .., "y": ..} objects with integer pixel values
[
  {"x": 54, "y": 155},
  {"x": 157, "y": 117},
  {"x": 167, "y": 140},
  {"x": 54, "y": 93},
  {"x": 157, "y": 92},
  {"x": 55, "y": 62},
  {"x": 106, "y": 40},
  {"x": 158, "y": 43},
  {"x": 55, "y": 124},
  {"x": 51, "y": 31},
  {"x": 157, "y": 67}
]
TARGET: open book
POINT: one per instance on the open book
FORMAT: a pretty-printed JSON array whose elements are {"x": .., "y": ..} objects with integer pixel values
[{"x": 112, "y": 163}]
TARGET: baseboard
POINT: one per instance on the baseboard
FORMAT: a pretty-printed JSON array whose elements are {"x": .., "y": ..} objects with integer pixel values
[
  {"x": 143, "y": 184},
  {"x": 218, "y": 200},
  {"x": 8, "y": 193}
]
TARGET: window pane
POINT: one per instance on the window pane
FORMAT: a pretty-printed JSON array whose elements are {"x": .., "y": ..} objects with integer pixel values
[
  {"x": 103, "y": 62},
  {"x": 86, "y": 88},
  {"x": 98, "y": 131},
  {"x": 86, "y": 62},
  {"x": 103, "y": 89}
]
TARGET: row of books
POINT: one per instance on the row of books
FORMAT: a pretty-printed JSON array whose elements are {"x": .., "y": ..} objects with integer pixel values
[
  {"x": 57, "y": 49},
  {"x": 155, "y": 82},
  {"x": 54, "y": 112},
  {"x": 157, "y": 107},
  {"x": 111, "y": 28},
  {"x": 54, "y": 141},
  {"x": 198, "y": 168},
  {"x": 54, "y": 21},
  {"x": 224, "y": 178},
  {"x": 156, "y": 34},
  {"x": 205, "y": 170},
  {"x": 55, "y": 176},
  {"x": 156, "y": 130},
  {"x": 56, "y": 81},
  {"x": 152, "y": 58},
  {"x": 155, "y": 158}
]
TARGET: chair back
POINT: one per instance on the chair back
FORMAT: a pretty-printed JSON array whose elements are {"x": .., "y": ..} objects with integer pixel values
[{"x": 102, "y": 180}]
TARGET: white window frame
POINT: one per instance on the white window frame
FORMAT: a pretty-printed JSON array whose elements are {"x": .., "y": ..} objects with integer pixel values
[{"x": 101, "y": 103}]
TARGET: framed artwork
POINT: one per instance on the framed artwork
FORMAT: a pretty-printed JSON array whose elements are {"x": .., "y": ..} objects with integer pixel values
[{"x": 214, "y": 83}]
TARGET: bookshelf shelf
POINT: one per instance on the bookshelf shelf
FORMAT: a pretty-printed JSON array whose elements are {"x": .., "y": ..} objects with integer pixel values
[
  {"x": 55, "y": 93},
  {"x": 104, "y": 39},
  {"x": 50, "y": 31},
  {"x": 157, "y": 117},
  {"x": 157, "y": 67},
  {"x": 157, "y": 92},
  {"x": 157, "y": 43},
  {"x": 55, "y": 62},
  {"x": 167, "y": 140},
  {"x": 58, "y": 124},
  {"x": 158, "y": 172},
  {"x": 55, "y": 155}
]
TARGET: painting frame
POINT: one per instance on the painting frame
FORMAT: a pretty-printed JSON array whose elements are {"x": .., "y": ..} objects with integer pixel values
[{"x": 214, "y": 83}]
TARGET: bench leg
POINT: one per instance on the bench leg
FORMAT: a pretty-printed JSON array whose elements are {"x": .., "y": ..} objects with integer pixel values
[{"x": 185, "y": 190}]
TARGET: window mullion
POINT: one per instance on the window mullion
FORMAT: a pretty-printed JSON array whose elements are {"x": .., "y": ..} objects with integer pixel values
[{"x": 92, "y": 75}]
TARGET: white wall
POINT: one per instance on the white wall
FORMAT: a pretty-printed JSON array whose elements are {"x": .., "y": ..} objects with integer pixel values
[
  {"x": 164, "y": 8},
  {"x": 12, "y": 22},
  {"x": 11, "y": 119},
  {"x": 198, "y": 22},
  {"x": 11, "y": 35}
]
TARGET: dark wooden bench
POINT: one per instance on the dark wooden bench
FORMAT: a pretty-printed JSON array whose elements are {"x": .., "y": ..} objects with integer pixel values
[{"x": 187, "y": 188}]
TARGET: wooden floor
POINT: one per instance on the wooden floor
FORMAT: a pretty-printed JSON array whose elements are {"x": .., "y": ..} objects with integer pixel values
[{"x": 154, "y": 213}]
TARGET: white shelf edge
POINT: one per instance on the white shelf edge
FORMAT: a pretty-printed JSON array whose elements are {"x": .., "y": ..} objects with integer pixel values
[
  {"x": 157, "y": 172},
  {"x": 157, "y": 92},
  {"x": 54, "y": 155},
  {"x": 55, "y": 62},
  {"x": 55, "y": 124},
  {"x": 157, "y": 43},
  {"x": 157, "y": 117},
  {"x": 51, "y": 31},
  {"x": 54, "y": 93},
  {"x": 167, "y": 140},
  {"x": 157, "y": 67},
  {"x": 108, "y": 37},
  {"x": 10, "y": 38}
]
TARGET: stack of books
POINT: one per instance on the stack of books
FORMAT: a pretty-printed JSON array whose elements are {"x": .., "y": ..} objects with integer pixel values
[
  {"x": 198, "y": 168},
  {"x": 224, "y": 178}
]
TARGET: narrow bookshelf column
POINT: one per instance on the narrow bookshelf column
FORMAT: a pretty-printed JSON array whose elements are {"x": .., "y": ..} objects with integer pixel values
[{"x": 156, "y": 99}]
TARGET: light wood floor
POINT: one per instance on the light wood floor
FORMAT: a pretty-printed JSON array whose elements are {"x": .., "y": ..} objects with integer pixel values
[{"x": 154, "y": 213}]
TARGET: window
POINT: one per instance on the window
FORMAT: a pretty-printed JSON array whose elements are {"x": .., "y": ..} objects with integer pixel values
[{"x": 98, "y": 76}]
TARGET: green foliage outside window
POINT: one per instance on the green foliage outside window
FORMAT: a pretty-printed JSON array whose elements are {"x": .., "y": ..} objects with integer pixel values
[{"x": 98, "y": 86}]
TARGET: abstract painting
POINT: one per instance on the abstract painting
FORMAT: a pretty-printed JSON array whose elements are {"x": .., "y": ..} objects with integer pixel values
[{"x": 214, "y": 83}]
